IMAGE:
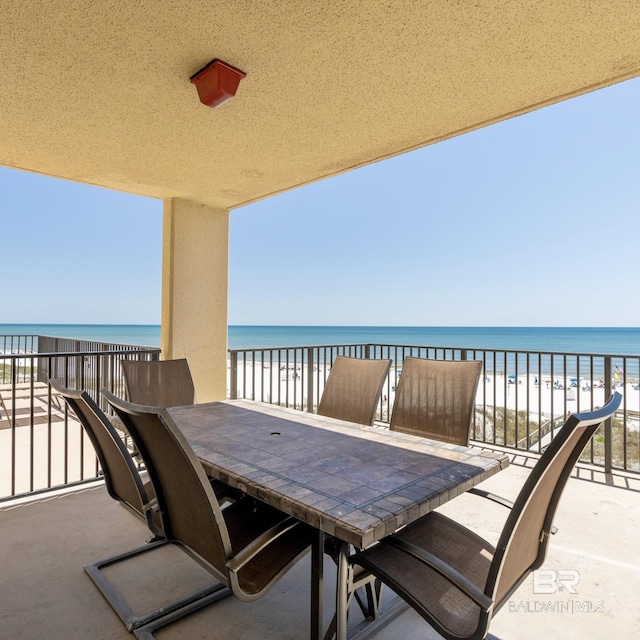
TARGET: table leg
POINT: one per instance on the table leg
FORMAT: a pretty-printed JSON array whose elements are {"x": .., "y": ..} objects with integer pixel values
[{"x": 317, "y": 577}]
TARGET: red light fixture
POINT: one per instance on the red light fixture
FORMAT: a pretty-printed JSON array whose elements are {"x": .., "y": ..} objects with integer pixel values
[{"x": 217, "y": 82}]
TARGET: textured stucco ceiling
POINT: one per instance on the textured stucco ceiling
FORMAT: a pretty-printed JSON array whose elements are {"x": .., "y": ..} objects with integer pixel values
[{"x": 99, "y": 92}]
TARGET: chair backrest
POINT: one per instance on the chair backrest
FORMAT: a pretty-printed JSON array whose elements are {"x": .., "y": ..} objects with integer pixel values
[
  {"x": 120, "y": 474},
  {"x": 353, "y": 389},
  {"x": 191, "y": 515},
  {"x": 524, "y": 540},
  {"x": 158, "y": 383},
  {"x": 436, "y": 399}
]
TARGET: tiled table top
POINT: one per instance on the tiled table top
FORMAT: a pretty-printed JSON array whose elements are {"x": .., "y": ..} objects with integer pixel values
[{"x": 357, "y": 483}]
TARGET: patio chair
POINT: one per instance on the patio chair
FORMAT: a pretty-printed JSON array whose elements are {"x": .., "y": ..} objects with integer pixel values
[
  {"x": 247, "y": 547},
  {"x": 352, "y": 392},
  {"x": 162, "y": 384},
  {"x": 436, "y": 399},
  {"x": 353, "y": 389},
  {"x": 456, "y": 580},
  {"x": 158, "y": 383},
  {"x": 121, "y": 476}
]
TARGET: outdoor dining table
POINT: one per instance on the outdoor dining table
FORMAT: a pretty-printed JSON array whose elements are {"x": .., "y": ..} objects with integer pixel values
[{"x": 356, "y": 483}]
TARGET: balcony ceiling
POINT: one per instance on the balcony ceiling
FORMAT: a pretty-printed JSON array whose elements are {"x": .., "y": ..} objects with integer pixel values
[{"x": 99, "y": 92}]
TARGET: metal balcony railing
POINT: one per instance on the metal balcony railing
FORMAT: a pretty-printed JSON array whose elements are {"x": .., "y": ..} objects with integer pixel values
[
  {"x": 523, "y": 397},
  {"x": 522, "y": 400},
  {"x": 42, "y": 445}
]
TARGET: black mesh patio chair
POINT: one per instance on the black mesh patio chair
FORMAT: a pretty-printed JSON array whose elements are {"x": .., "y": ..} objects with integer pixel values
[
  {"x": 158, "y": 383},
  {"x": 456, "y": 580},
  {"x": 247, "y": 547},
  {"x": 436, "y": 399},
  {"x": 121, "y": 475},
  {"x": 353, "y": 389}
]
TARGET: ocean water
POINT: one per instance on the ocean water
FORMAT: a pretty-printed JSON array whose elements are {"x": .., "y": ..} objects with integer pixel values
[
  {"x": 592, "y": 340},
  {"x": 144, "y": 335}
]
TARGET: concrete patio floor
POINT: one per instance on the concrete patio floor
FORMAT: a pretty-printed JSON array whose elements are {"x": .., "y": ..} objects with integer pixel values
[{"x": 44, "y": 592}]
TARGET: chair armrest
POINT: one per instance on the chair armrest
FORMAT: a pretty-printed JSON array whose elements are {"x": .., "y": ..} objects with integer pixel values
[
  {"x": 491, "y": 496},
  {"x": 446, "y": 571},
  {"x": 261, "y": 542},
  {"x": 501, "y": 501},
  {"x": 151, "y": 505}
]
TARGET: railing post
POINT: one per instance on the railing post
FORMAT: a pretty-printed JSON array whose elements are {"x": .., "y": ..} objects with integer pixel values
[
  {"x": 463, "y": 354},
  {"x": 14, "y": 373},
  {"x": 233, "y": 376},
  {"x": 310, "y": 398},
  {"x": 608, "y": 428},
  {"x": 367, "y": 351}
]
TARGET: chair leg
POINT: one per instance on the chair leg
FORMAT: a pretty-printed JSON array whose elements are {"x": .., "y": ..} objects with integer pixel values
[
  {"x": 373, "y": 591},
  {"x": 343, "y": 592},
  {"x": 372, "y": 587},
  {"x": 130, "y": 620},
  {"x": 146, "y": 631},
  {"x": 347, "y": 589}
]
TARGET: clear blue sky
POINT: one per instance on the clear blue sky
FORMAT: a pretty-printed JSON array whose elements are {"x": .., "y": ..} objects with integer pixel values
[{"x": 532, "y": 221}]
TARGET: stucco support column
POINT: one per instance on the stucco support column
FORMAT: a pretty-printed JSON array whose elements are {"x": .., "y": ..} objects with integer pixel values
[{"x": 195, "y": 261}]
